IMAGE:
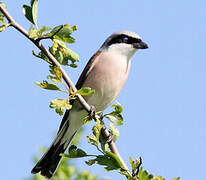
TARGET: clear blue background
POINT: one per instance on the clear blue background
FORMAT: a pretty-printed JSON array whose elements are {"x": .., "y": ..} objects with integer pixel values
[{"x": 164, "y": 99}]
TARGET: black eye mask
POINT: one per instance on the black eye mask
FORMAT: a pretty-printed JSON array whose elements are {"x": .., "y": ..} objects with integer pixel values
[{"x": 122, "y": 38}]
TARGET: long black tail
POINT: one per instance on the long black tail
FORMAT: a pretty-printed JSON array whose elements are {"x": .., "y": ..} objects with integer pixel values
[
  {"x": 49, "y": 162},
  {"x": 47, "y": 165}
]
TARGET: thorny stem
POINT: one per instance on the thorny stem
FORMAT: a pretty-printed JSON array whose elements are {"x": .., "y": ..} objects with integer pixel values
[{"x": 66, "y": 78}]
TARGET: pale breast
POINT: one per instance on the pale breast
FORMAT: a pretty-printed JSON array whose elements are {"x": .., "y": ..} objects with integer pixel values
[{"x": 107, "y": 77}]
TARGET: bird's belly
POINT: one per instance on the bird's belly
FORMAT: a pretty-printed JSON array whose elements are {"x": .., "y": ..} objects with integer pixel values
[{"x": 107, "y": 79}]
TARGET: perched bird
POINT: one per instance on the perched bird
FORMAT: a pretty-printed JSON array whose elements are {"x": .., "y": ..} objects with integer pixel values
[{"x": 106, "y": 73}]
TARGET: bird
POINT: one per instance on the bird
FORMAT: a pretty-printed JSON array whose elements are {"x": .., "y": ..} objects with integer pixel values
[{"x": 106, "y": 72}]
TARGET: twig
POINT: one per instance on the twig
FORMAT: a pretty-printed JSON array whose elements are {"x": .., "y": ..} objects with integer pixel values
[
  {"x": 49, "y": 37},
  {"x": 66, "y": 78},
  {"x": 140, "y": 163}
]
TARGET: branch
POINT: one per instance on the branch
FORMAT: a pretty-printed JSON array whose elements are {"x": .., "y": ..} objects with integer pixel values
[
  {"x": 66, "y": 78},
  {"x": 49, "y": 37}
]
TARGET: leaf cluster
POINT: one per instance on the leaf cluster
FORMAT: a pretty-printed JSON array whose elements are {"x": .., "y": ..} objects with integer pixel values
[
  {"x": 60, "y": 35},
  {"x": 61, "y": 104}
]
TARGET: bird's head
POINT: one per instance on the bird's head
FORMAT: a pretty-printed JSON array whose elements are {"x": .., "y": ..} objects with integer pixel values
[{"x": 123, "y": 42}]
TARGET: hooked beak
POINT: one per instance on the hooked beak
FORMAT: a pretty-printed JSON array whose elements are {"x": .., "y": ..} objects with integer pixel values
[{"x": 140, "y": 45}]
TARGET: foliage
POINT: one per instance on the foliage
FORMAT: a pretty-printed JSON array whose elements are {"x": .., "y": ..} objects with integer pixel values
[{"x": 60, "y": 35}]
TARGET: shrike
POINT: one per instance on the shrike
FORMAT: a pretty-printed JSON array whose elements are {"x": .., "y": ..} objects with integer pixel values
[{"x": 106, "y": 73}]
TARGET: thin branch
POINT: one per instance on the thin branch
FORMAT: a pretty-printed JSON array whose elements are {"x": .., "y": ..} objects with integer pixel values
[
  {"x": 66, "y": 78},
  {"x": 140, "y": 163},
  {"x": 49, "y": 37}
]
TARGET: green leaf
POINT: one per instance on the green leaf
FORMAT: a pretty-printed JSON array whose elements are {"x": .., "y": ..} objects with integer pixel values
[
  {"x": 111, "y": 154},
  {"x": 51, "y": 70},
  {"x": 109, "y": 160},
  {"x": 75, "y": 152},
  {"x": 73, "y": 65},
  {"x": 58, "y": 74},
  {"x": 176, "y": 178},
  {"x": 27, "y": 11},
  {"x": 60, "y": 57},
  {"x": 87, "y": 119},
  {"x": 74, "y": 28},
  {"x": 90, "y": 162},
  {"x": 98, "y": 137},
  {"x": 93, "y": 140},
  {"x": 42, "y": 56},
  {"x": 63, "y": 34},
  {"x": 118, "y": 108},
  {"x": 132, "y": 163},
  {"x": 60, "y": 105},
  {"x": 33, "y": 33},
  {"x": 127, "y": 174},
  {"x": 144, "y": 175},
  {"x": 55, "y": 30},
  {"x": 53, "y": 78},
  {"x": 34, "y": 5},
  {"x": 97, "y": 129},
  {"x": 36, "y": 33},
  {"x": 71, "y": 55},
  {"x": 116, "y": 116},
  {"x": 2, "y": 28},
  {"x": 49, "y": 86},
  {"x": 114, "y": 131},
  {"x": 44, "y": 29},
  {"x": 85, "y": 91},
  {"x": 30, "y": 12},
  {"x": 2, "y": 19},
  {"x": 62, "y": 53}
]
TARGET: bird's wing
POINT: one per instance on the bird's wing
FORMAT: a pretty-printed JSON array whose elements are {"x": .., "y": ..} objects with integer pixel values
[
  {"x": 79, "y": 83},
  {"x": 86, "y": 70}
]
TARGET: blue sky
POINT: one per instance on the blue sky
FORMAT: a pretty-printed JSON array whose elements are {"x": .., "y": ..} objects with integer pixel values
[{"x": 164, "y": 98}]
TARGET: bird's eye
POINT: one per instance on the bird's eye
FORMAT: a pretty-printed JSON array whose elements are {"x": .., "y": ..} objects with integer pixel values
[{"x": 125, "y": 39}]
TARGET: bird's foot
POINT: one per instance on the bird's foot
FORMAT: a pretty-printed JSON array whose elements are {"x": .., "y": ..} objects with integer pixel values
[
  {"x": 109, "y": 138},
  {"x": 92, "y": 112},
  {"x": 108, "y": 135}
]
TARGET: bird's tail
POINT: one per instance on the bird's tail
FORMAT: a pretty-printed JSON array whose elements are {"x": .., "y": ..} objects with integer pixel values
[{"x": 47, "y": 165}]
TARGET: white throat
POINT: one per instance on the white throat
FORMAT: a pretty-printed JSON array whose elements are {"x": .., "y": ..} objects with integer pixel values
[{"x": 125, "y": 50}]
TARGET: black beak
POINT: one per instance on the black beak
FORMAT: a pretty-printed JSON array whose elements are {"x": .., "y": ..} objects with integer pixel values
[{"x": 140, "y": 45}]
